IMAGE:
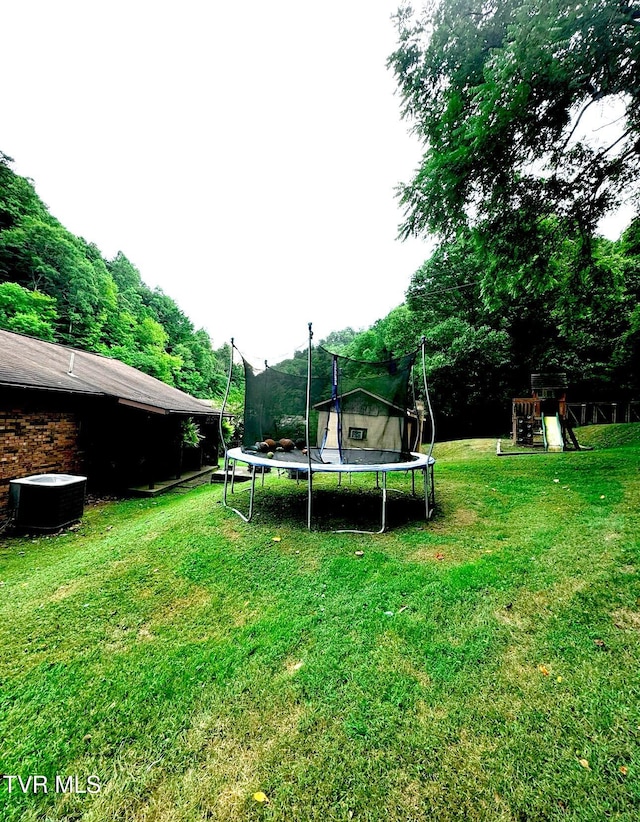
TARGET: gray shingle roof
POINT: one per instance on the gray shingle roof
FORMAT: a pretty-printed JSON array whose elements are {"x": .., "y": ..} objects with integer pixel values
[{"x": 26, "y": 362}]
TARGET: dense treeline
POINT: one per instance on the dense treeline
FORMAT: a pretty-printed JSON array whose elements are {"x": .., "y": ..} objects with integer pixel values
[
  {"x": 528, "y": 111},
  {"x": 480, "y": 352},
  {"x": 58, "y": 287}
]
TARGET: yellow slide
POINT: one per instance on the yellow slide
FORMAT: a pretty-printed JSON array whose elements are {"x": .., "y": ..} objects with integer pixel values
[{"x": 552, "y": 431}]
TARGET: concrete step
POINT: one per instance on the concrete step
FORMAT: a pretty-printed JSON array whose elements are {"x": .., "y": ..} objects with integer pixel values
[{"x": 189, "y": 479}]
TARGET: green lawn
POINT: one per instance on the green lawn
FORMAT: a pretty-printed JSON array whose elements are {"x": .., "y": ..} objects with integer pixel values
[{"x": 483, "y": 666}]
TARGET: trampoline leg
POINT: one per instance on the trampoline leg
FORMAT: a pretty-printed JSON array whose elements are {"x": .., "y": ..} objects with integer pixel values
[
  {"x": 384, "y": 502},
  {"x": 426, "y": 493},
  {"x": 429, "y": 493},
  {"x": 433, "y": 490},
  {"x": 226, "y": 474},
  {"x": 252, "y": 492},
  {"x": 413, "y": 483},
  {"x": 383, "y": 526}
]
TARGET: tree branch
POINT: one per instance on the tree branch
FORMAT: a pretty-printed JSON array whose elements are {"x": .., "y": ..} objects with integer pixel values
[
  {"x": 604, "y": 151},
  {"x": 599, "y": 95}
]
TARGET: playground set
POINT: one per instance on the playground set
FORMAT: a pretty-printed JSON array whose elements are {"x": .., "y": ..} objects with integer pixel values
[{"x": 542, "y": 421}]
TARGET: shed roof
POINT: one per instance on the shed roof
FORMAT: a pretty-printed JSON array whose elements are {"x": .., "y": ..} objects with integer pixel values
[
  {"x": 26, "y": 362},
  {"x": 327, "y": 404}
]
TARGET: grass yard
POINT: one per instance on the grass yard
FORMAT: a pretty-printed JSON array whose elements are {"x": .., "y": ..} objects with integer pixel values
[{"x": 484, "y": 666}]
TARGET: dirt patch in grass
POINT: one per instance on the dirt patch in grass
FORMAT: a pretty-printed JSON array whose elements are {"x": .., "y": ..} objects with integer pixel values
[
  {"x": 526, "y": 616},
  {"x": 406, "y": 667},
  {"x": 512, "y": 618},
  {"x": 226, "y": 759},
  {"x": 65, "y": 590},
  {"x": 203, "y": 609},
  {"x": 197, "y": 600},
  {"x": 626, "y": 619},
  {"x": 432, "y": 553},
  {"x": 230, "y": 756},
  {"x": 519, "y": 667},
  {"x": 532, "y": 607},
  {"x": 464, "y": 517},
  {"x": 230, "y": 529},
  {"x": 464, "y": 759},
  {"x": 292, "y": 666}
]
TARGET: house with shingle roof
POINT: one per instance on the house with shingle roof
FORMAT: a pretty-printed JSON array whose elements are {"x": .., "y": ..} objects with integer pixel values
[{"x": 64, "y": 410}]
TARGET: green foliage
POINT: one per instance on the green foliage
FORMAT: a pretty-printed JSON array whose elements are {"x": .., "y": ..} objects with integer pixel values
[
  {"x": 27, "y": 312},
  {"x": 483, "y": 342},
  {"x": 500, "y": 94},
  {"x": 43, "y": 256},
  {"x": 514, "y": 180},
  {"x": 337, "y": 341},
  {"x": 17, "y": 197},
  {"x": 191, "y": 435}
]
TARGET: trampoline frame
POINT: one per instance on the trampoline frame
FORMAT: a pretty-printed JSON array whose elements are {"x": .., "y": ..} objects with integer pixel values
[{"x": 418, "y": 462}]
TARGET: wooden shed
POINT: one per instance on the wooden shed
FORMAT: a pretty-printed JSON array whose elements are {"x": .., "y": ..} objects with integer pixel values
[{"x": 368, "y": 421}]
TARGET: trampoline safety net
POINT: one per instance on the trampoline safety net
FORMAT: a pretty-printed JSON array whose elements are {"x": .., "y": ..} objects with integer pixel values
[{"x": 359, "y": 412}]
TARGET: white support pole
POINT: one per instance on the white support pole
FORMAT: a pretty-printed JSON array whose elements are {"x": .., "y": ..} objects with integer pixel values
[
  {"x": 429, "y": 492},
  {"x": 425, "y": 471},
  {"x": 423, "y": 346},
  {"x": 246, "y": 518},
  {"x": 307, "y": 434},
  {"x": 384, "y": 501},
  {"x": 221, "y": 430},
  {"x": 224, "y": 404}
]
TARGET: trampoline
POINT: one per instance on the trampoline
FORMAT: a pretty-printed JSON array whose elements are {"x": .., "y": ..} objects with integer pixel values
[{"x": 341, "y": 416}]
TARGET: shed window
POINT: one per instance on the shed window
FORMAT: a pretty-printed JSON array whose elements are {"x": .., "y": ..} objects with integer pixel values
[{"x": 357, "y": 433}]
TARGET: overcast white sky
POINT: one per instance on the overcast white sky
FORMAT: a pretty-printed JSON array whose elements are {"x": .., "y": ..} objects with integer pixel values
[{"x": 242, "y": 155}]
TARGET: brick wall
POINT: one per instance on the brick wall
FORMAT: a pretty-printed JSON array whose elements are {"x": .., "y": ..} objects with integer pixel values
[{"x": 36, "y": 442}]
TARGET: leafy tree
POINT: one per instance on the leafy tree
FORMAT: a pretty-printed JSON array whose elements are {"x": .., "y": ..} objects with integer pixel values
[
  {"x": 500, "y": 93},
  {"x": 337, "y": 341},
  {"x": 17, "y": 196},
  {"x": 129, "y": 284},
  {"x": 43, "y": 256},
  {"x": 469, "y": 372},
  {"x": 178, "y": 326},
  {"x": 27, "y": 312},
  {"x": 626, "y": 354},
  {"x": 146, "y": 349}
]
